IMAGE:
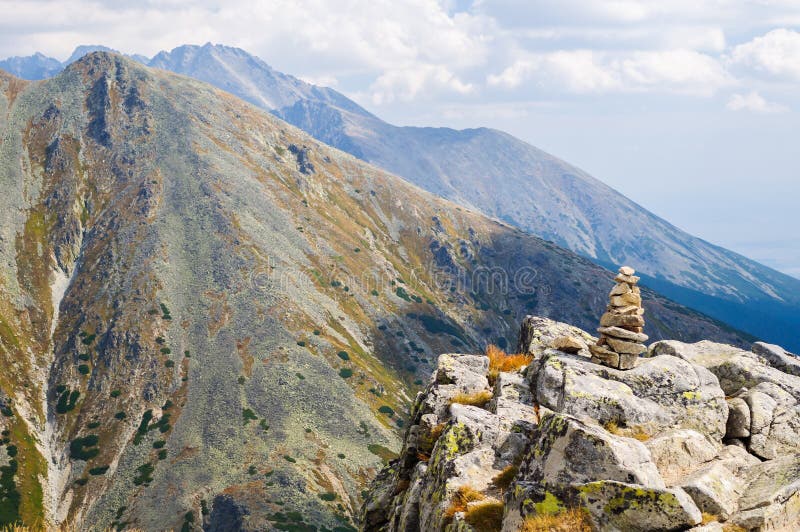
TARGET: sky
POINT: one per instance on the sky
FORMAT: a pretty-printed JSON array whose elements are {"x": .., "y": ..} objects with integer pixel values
[{"x": 689, "y": 107}]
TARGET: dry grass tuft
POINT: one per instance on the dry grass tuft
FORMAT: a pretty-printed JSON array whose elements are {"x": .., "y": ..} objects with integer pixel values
[
  {"x": 503, "y": 479},
  {"x": 461, "y": 498},
  {"x": 485, "y": 516},
  {"x": 573, "y": 520},
  {"x": 436, "y": 431},
  {"x": 636, "y": 432},
  {"x": 474, "y": 399},
  {"x": 709, "y": 518},
  {"x": 500, "y": 361}
]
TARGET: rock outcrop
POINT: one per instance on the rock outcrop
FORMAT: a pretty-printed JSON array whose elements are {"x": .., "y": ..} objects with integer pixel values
[{"x": 694, "y": 437}]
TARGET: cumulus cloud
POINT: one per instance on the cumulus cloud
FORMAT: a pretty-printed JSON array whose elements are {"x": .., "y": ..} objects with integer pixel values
[
  {"x": 753, "y": 101},
  {"x": 584, "y": 71},
  {"x": 776, "y": 54}
]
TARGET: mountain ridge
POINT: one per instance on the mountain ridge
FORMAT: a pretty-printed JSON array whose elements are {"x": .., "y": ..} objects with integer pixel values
[
  {"x": 491, "y": 170},
  {"x": 209, "y": 315}
]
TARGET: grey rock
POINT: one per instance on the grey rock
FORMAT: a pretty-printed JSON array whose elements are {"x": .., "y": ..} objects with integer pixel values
[
  {"x": 678, "y": 453},
  {"x": 738, "y": 425},
  {"x": 772, "y": 498},
  {"x": 624, "y": 334},
  {"x": 778, "y": 357}
]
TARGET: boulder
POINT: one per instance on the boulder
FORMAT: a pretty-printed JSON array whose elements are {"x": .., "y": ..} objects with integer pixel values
[
  {"x": 537, "y": 334},
  {"x": 620, "y": 506},
  {"x": 678, "y": 453},
  {"x": 772, "y": 498},
  {"x": 625, "y": 347},
  {"x": 565, "y": 450},
  {"x": 663, "y": 392},
  {"x": 778, "y": 357}
]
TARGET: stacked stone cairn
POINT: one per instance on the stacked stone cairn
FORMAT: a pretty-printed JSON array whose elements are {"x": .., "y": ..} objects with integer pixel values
[{"x": 621, "y": 337}]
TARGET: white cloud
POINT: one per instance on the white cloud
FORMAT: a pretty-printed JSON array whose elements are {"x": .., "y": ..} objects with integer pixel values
[
  {"x": 408, "y": 83},
  {"x": 753, "y": 101},
  {"x": 584, "y": 71},
  {"x": 775, "y": 54}
]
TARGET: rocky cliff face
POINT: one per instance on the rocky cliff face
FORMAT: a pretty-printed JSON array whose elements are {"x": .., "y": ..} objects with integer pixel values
[
  {"x": 696, "y": 437},
  {"x": 208, "y": 317}
]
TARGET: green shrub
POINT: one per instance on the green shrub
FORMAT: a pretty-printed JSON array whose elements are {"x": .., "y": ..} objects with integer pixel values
[
  {"x": 289, "y": 459},
  {"x": 386, "y": 409},
  {"x": 336, "y": 283},
  {"x": 169, "y": 364},
  {"x": 162, "y": 454},
  {"x": 115, "y": 393},
  {"x": 160, "y": 340},
  {"x": 97, "y": 471},
  {"x": 61, "y": 388},
  {"x": 120, "y": 415},
  {"x": 93, "y": 425},
  {"x": 159, "y": 444},
  {"x": 144, "y": 426},
  {"x": 166, "y": 351},
  {"x": 11, "y": 451},
  {"x": 345, "y": 373},
  {"x": 241, "y": 380},
  {"x": 169, "y": 404},
  {"x": 301, "y": 343},
  {"x": 145, "y": 474},
  {"x": 317, "y": 332},
  {"x": 186, "y": 354},
  {"x": 343, "y": 355},
  {"x": 341, "y": 455},
  {"x": 88, "y": 339},
  {"x": 263, "y": 424},
  {"x": 67, "y": 401},
  {"x": 79, "y": 448},
  {"x": 84, "y": 356},
  {"x": 82, "y": 481},
  {"x": 252, "y": 470},
  {"x": 83, "y": 369},
  {"x": 374, "y": 293},
  {"x": 402, "y": 294},
  {"x": 300, "y": 376},
  {"x": 328, "y": 496},
  {"x": 248, "y": 415}
]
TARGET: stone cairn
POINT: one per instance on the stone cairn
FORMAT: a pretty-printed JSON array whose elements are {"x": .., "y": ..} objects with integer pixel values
[{"x": 621, "y": 337}]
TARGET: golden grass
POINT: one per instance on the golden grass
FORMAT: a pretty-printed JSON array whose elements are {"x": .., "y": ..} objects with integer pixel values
[
  {"x": 485, "y": 516},
  {"x": 573, "y": 520},
  {"x": 499, "y": 360},
  {"x": 461, "y": 498},
  {"x": 473, "y": 399},
  {"x": 708, "y": 518},
  {"x": 503, "y": 479}
]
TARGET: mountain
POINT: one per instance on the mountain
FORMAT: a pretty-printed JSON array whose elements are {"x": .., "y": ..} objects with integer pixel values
[
  {"x": 509, "y": 179},
  {"x": 207, "y": 317},
  {"x": 36, "y": 66}
]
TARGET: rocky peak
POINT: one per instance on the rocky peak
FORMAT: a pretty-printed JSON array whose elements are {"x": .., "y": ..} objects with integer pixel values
[{"x": 692, "y": 437}]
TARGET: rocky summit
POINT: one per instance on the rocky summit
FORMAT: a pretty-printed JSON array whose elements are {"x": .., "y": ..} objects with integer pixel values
[
  {"x": 621, "y": 337},
  {"x": 700, "y": 437}
]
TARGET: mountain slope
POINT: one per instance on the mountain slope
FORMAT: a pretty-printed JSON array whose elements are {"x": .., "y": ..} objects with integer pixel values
[
  {"x": 210, "y": 318},
  {"x": 524, "y": 186}
]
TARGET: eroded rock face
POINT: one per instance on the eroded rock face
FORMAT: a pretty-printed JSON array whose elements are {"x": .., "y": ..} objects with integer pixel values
[{"x": 691, "y": 429}]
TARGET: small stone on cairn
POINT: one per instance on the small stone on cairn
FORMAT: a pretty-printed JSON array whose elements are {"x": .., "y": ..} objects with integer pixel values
[{"x": 621, "y": 337}]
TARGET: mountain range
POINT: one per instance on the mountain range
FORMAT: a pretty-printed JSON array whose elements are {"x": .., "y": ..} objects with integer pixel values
[
  {"x": 513, "y": 181},
  {"x": 210, "y": 318}
]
